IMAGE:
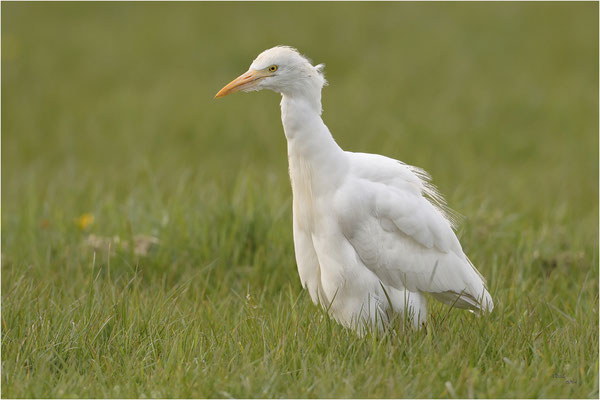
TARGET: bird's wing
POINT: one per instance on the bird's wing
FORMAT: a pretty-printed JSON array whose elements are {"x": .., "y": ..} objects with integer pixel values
[
  {"x": 394, "y": 173},
  {"x": 403, "y": 237}
]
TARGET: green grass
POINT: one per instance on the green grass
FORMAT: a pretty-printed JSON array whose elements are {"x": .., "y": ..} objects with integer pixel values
[{"x": 107, "y": 109}]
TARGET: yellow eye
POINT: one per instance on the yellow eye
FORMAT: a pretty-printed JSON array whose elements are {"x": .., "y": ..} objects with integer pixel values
[{"x": 273, "y": 68}]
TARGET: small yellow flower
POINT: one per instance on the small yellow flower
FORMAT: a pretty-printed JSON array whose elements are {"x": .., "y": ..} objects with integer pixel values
[{"x": 85, "y": 220}]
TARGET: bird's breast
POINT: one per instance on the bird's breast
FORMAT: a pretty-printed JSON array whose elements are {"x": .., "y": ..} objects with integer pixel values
[{"x": 301, "y": 177}]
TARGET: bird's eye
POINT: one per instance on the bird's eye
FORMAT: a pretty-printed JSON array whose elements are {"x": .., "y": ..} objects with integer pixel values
[{"x": 273, "y": 68}]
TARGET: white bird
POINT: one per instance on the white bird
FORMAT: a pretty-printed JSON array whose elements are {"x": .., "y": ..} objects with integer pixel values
[{"x": 371, "y": 234}]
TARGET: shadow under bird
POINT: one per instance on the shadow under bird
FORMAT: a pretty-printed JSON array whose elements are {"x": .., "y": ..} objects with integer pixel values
[{"x": 371, "y": 234}]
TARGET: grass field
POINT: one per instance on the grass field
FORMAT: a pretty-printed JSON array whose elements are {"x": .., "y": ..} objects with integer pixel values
[{"x": 108, "y": 114}]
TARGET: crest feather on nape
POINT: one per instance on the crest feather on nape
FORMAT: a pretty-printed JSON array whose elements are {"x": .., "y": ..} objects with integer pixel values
[{"x": 320, "y": 69}]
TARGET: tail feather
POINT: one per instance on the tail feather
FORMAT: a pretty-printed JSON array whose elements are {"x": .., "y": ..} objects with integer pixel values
[{"x": 466, "y": 301}]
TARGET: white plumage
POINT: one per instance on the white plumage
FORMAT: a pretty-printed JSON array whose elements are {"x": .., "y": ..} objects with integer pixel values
[{"x": 371, "y": 234}]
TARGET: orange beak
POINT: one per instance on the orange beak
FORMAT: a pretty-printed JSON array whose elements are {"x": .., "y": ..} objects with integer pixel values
[{"x": 244, "y": 81}]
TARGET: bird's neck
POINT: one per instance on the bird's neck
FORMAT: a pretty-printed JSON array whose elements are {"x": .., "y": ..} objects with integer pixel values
[
  {"x": 314, "y": 157},
  {"x": 307, "y": 135}
]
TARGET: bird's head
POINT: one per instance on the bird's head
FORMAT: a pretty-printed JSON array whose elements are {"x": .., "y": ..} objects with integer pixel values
[{"x": 281, "y": 69}]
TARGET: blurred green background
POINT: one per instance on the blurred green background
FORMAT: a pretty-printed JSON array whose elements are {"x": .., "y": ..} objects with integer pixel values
[
  {"x": 108, "y": 109},
  {"x": 490, "y": 98}
]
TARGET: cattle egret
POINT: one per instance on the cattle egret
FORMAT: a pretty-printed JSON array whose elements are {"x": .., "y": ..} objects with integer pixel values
[{"x": 371, "y": 234}]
